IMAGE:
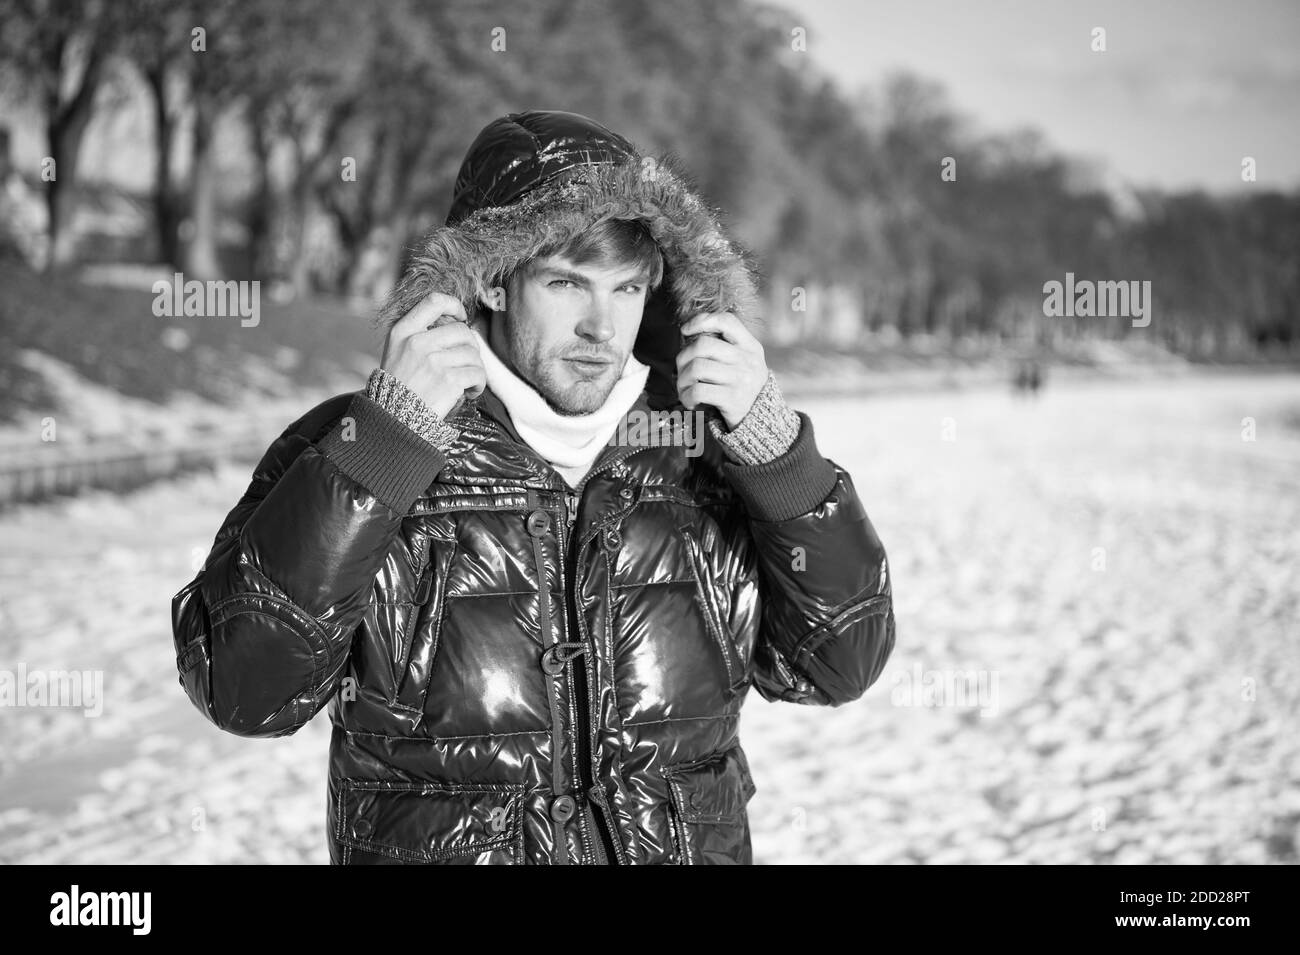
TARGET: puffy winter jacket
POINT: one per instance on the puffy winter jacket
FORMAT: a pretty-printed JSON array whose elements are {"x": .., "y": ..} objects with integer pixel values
[{"x": 519, "y": 672}]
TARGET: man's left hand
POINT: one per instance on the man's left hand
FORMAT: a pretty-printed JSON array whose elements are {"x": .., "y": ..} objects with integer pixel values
[{"x": 727, "y": 371}]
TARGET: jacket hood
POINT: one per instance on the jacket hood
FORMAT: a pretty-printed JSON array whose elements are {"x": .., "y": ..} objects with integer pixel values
[{"x": 533, "y": 180}]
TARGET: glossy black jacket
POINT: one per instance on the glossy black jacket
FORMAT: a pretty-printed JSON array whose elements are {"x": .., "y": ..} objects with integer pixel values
[{"x": 519, "y": 672}]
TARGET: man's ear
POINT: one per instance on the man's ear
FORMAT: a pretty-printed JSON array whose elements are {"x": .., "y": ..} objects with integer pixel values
[{"x": 494, "y": 298}]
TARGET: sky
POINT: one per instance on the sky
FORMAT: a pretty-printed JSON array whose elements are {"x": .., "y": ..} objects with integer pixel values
[{"x": 1184, "y": 90}]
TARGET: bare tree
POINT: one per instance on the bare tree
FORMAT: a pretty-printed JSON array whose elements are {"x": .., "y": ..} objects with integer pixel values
[{"x": 57, "y": 53}]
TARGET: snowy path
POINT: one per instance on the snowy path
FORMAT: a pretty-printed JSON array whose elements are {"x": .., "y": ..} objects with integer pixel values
[{"x": 1141, "y": 703}]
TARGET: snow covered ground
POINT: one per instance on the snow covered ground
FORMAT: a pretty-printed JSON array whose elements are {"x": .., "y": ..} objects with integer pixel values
[{"x": 1097, "y": 659}]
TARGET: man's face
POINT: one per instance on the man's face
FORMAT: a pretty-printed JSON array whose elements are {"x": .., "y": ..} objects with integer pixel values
[{"x": 568, "y": 329}]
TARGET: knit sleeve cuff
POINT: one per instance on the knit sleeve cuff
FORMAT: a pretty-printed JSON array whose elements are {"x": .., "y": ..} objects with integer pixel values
[
  {"x": 382, "y": 454},
  {"x": 767, "y": 431},
  {"x": 392, "y": 394},
  {"x": 789, "y": 486}
]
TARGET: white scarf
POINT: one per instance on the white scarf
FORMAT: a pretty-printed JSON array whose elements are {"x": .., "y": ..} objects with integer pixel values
[{"x": 567, "y": 442}]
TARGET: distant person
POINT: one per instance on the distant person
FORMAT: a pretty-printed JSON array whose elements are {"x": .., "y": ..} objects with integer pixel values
[
  {"x": 1028, "y": 378},
  {"x": 536, "y": 616}
]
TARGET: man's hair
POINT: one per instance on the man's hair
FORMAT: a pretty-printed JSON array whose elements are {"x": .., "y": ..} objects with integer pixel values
[{"x": 612, "y": 242}]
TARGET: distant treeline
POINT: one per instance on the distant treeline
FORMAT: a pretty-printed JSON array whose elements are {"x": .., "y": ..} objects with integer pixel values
[{"x": 919, "y": 222}]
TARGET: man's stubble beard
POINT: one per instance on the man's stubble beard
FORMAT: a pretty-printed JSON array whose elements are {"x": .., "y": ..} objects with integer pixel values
[{"x": 542, "y": 379}]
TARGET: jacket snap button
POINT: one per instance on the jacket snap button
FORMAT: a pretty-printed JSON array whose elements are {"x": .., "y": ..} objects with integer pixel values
[
  {"x": 613, "y": 539},
  {"x": 693, "y": 800},
  {"x": 362, "y": 828},
  {"x": 626, "y": 494},
  {"x": 562, "y": 808},
  {"x": 551, "y": 663},
  {"x": 538, "y": 522}
]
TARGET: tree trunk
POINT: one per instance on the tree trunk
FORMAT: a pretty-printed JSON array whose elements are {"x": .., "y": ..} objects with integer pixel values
[
  {"x": 300, "y": 212},
  {"x": 202, "y": 260},
  {"x": 65, "y": 127},
  {"x": 65, "y": 133},
  {"x": 378, "y": 259},
  {"x": 166, "y": 214},
  {"x": 261, "y": 253},
  {"x": 58, "y": 216}
]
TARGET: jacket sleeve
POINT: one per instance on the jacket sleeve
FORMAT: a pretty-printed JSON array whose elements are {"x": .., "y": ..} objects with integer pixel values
[
  {"x": 827, "y": 617},
  {"x": 264, "y": 631}
]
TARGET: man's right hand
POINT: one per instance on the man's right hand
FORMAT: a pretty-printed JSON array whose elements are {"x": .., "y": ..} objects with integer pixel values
[{"x": 432, "y": 350}]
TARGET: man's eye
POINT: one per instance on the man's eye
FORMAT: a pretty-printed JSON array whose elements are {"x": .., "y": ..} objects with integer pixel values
[
  {"x": 632, "y": 287},
  {"x": 555, "y": 282}
]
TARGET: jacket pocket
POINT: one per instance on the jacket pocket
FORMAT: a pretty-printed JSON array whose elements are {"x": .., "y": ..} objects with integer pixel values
[
  {"x": 384, "y": 823},
  {"x": 707, "y": 816},
  {"x": 735, "y": 671},
  {"x": 420, "y": 644}
]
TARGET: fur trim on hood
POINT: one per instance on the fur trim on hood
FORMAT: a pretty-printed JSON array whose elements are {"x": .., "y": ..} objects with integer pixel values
[{"x": 704, "y": 271}]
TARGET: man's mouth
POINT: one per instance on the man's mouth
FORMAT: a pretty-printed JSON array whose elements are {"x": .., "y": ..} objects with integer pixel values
[{"x": 587, "y": 363}]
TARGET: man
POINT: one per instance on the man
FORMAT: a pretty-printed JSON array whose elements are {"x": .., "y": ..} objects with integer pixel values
[{"x": 537, "y": 637}]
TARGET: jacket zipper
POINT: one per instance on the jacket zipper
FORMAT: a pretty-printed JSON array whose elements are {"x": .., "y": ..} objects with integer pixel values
[
  {"x": 423, "y": 587},
  {"x": 419, "y": 599},
  {"x": 578, "y": 674},
  {"x": 737, "y": 678}
]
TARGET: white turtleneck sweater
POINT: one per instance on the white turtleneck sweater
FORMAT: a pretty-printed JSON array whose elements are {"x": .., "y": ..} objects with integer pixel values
[{"x": 569, "y": 443}]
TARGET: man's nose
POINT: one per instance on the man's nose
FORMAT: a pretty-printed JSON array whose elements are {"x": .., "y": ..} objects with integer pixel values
[{"x": 597, "y": 324}]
